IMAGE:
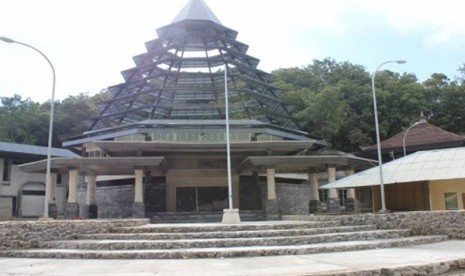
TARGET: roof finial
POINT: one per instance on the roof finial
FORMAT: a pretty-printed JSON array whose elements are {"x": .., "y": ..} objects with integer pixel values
[{"x": 422, "y": 117}]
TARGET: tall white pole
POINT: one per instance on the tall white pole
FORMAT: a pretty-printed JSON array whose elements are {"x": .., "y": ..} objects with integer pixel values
[
  {"x": 228, "y": 146},
  {"x": 50, "y": 126},
  {"x": 378, "y": 141}
]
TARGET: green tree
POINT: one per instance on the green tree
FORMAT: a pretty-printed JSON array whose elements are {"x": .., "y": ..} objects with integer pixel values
[
  {"x": 23, "y": 121},
  {"x": 72, "y": 114}
]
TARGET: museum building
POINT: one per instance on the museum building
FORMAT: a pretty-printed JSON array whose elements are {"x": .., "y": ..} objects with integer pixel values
[{"x": 159, "y": 144}]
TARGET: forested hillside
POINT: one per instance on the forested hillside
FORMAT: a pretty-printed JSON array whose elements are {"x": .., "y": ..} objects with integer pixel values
[{"x": 332, "y": 98}]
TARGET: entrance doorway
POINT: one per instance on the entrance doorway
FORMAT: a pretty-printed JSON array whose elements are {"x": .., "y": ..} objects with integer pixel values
[{"x": 197, "y": 199}]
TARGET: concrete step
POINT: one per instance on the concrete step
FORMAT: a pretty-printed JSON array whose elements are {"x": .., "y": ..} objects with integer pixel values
[
  {"x": 213, "y": 227},
  {"x": 226, "y": 234},
  {"x": 202, "y": 216},
  {"x": 223, "y": 242},
  {"x": 222, "y": 252}
]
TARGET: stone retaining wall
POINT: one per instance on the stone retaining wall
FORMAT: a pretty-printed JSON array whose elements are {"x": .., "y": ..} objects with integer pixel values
[
  {"x": 450, "y": 223},
  {"x": 27, "y": 234}
]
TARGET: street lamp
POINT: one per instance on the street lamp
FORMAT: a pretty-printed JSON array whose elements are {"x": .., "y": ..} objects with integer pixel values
[
  {"x": 230, "y": 215},
  {"x": 50, "y": 126},
  {"x": 378, "y": 142},
  {"x": 405, "y": 136}
]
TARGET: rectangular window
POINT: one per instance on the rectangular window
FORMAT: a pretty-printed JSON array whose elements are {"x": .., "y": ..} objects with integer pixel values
[
  {"x": 451, "y": 201},
  {"x": 6, "y": 170},
  {"x": 323, "y": 194},
  {"x": 59, "y": 179},
  {"x": 342, "y": 197}
]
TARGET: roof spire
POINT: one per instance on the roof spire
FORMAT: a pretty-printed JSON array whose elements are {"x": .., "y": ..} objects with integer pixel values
[
  {"x": 422, "y": 118},
  {"x": 196, "y": 10}
]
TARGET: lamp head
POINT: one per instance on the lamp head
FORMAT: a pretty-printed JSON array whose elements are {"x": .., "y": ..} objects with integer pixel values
[
  {"x": 401, "y": 61},
  {"x": 6, "y": 39}
]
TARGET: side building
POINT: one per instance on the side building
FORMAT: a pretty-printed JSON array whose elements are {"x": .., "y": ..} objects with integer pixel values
[{"x": 23, "y": 194}]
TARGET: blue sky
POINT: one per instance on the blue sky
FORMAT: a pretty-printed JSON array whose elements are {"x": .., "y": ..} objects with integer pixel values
[{"x": 91, "y": 41}]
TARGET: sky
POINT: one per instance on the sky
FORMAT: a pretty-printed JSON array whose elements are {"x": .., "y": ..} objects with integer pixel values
[{"x": 90, "y": 42}]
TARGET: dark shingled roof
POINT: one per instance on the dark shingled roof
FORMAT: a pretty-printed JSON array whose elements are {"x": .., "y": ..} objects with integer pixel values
[{"x": 421, "y": 134}]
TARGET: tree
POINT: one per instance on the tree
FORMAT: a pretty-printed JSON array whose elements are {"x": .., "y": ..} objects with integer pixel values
[
  {"x": 72, "y": 113},
  {"x": 332, "y": 98},
  {"x": 23, "y": 121}
]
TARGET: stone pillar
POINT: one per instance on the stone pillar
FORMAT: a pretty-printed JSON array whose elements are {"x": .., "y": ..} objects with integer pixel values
[
  {"x": 351, "y": 202},
  {"x": 271, "y": 205},
  {"x": 332, "y": 204},
  {"x": 138, "y": 208},
  {"x": 91, "y": 206},
  {"x": 314, "y": 204},
  {"x": 72, "y": 207},
  {"x": 52, "y": 207}
]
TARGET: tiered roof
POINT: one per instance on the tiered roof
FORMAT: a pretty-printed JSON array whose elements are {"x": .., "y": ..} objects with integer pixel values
[{"x": 181, "y": 76}]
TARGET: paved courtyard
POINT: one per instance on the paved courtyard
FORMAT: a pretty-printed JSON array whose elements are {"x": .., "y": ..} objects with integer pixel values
[{"x": 435, "y": 259}]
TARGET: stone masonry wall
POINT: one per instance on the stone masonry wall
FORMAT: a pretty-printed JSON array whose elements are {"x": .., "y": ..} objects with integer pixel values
[
  {"x": 451, "y": 223},
  {"x": 112, "y": 202},
  {"x": 293, "y": 198},
  {"x": 27, "y": 234}
]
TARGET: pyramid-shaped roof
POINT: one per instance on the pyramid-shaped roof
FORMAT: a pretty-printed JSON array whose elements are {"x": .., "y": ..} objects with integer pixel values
[
  {"x": 420, "y": 136},
  {"x": 196, "y": 10},
  {"x": 181, "y": 76}
]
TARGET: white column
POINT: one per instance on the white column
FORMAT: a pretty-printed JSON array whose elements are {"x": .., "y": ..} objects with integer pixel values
[
  {"x": 314, "y": 186},
  {"x": 332, "y": 178},
  {"x": 351, "y": 191},
  {"x": 91, "y": 184},
  {"x": 138, "y": 191},
  {"x": 51, "y": 188},
  {"x": 72, "y": 190},
  {"x": 271, "y": 184}
]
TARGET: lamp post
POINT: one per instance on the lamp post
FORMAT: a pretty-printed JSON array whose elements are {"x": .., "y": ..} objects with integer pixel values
[
  {"x": 405, "y": 136},
  {"x": 230, "y": 215},
  {"x": 50, "y": 126},
  {"x": 378, "y": 142}
]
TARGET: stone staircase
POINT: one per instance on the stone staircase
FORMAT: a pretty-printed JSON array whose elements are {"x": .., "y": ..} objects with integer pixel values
[
  {"x": 215, "y": 240},
  {"x": 202, "y": 216}
]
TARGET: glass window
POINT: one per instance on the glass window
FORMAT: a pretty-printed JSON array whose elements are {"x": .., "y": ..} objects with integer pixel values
[
  {"x": 451, "y": 201},
  {"x": 6, "y": 170}
]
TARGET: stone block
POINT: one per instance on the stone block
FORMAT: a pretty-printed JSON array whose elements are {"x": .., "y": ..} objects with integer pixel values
[
  {"x": 138, "y": 210},
  {"x": 334, "y": 206},
  {"x": 52, "y": 210},
  {"x": 272, "y": 211},
  {"x": 231, "y": 216},
  {"x": 350, "y": 205},
  {"x": 314, "y": 206},
  {"x": 72, "y": 210}
]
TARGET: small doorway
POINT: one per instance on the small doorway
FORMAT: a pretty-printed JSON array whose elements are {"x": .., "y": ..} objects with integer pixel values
[{"x": 195, "y": 199}]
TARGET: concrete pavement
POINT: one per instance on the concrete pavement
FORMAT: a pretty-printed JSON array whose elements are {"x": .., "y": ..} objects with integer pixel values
[{"x": 433, "y": 259}]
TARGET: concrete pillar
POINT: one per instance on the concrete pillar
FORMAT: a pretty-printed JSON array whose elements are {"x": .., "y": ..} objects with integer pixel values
[
  {"x": 52, "y": 207},
  {"x": 138, "y": 208},
  {"x": 170, "y": 194},
  {"x": 271, "y": 184},
  {"x": 333, "y": 197},
  {"x": 271, "y": 205},
  {"x": 314, "y": 205},
  {"x": 72, "y": 207},
  {"x": 351, "y": 202},
  {"x": 91, "y": 206}
]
